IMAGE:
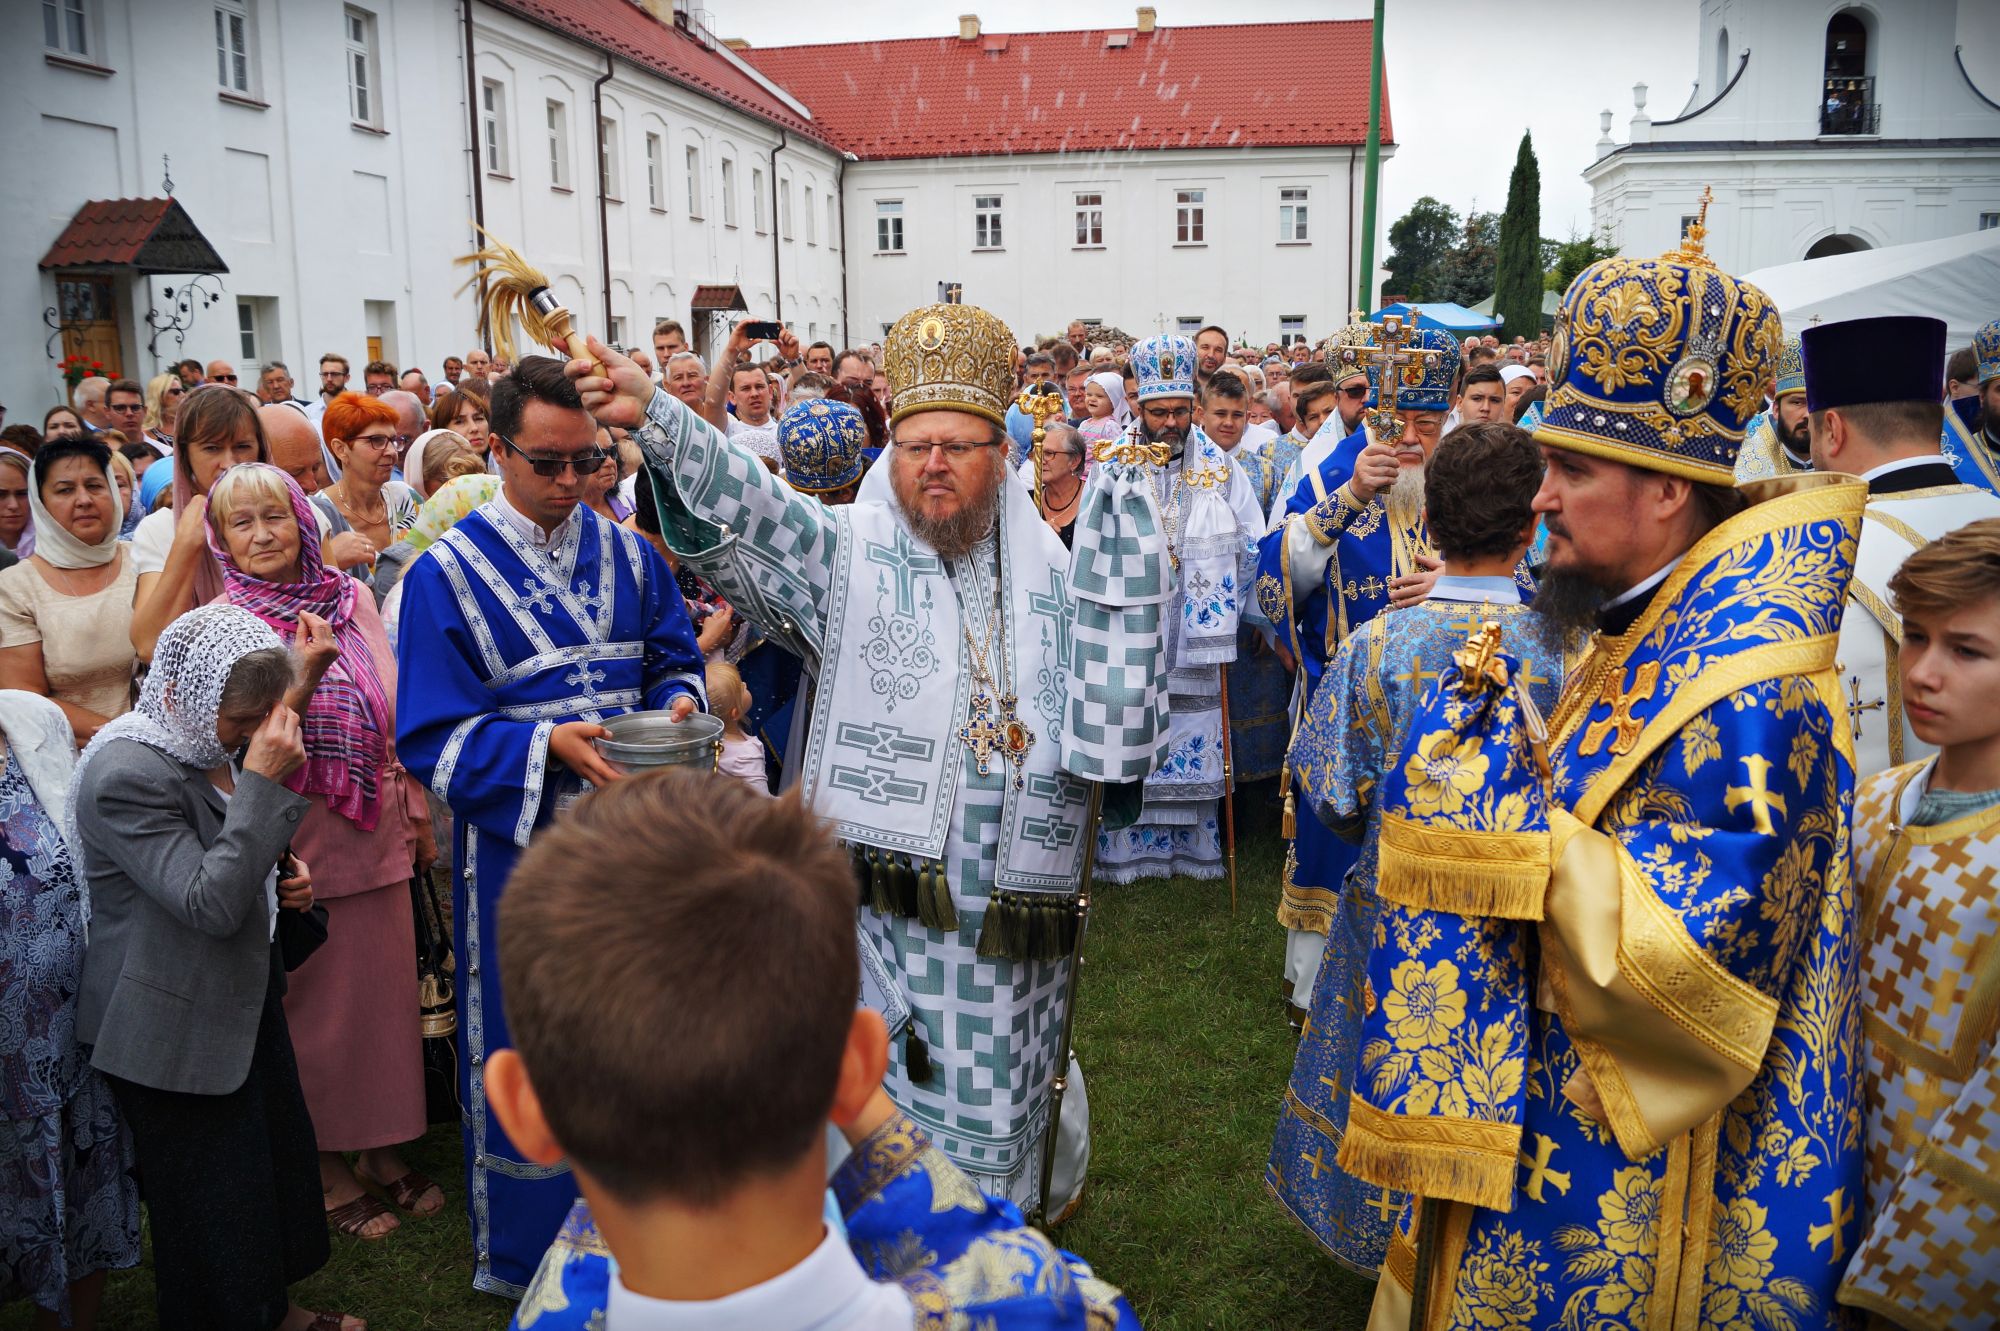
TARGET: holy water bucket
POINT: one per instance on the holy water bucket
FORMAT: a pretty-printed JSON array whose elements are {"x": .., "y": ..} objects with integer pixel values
[{"x": 640, "y": 741}]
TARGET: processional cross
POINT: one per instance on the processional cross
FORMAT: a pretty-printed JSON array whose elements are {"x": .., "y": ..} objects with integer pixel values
[{"x": 1399, "y": 366}]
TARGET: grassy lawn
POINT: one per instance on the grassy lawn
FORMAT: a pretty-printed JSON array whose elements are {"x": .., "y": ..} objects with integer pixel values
[{"x": 1185, "y": 1052}]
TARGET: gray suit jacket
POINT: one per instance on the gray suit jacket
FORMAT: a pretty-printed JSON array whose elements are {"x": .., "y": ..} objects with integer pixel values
[{"x": 179, "y": 957}]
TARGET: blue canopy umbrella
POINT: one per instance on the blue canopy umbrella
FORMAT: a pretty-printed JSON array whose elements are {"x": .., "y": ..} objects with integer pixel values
[{"x": 1441, "y": 314}]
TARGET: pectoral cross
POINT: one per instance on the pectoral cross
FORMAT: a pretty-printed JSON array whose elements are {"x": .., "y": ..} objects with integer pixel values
[
  {"x": 980, "y": 734},
  {"x": 1539, "y": 1172},
  {"x": 1757, "y": 795},
  {"x": 1855, "y": 707},
  {"x": 1620, "y": 726},
  {"x": 1841, "y": 1213}
]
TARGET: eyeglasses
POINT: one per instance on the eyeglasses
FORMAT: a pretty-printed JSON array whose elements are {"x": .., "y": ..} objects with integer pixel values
[
  {"x": 1355, "y": 391},
  {"x": 1168, "y": 413},
  {"x": 583, "y": 463},
  {"x": 381, "y": 443},
  {"x": 123, "y": 408},
  {"x": 954, "y": 452},
  {"x": 222, "y": 378}
]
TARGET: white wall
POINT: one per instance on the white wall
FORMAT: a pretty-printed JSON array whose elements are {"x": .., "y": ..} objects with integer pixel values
[
  {"x": 329, "y": 228},
  {"x": 1932, "y": 171},
  {"x": 313, "y": 216},
  {"x": 1141, "y": 279},
  {"x": 659, "y": 254}
]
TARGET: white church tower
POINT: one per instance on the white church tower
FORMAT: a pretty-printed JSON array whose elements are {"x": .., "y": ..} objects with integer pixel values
[{"x": 1823, "y": 128}]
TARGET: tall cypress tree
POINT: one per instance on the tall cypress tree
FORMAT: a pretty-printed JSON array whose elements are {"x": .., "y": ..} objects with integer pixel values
[{"x": 1517, "y": 274}]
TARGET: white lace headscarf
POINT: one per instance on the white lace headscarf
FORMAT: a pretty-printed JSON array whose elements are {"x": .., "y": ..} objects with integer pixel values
[{"x": 177, "y": 709}]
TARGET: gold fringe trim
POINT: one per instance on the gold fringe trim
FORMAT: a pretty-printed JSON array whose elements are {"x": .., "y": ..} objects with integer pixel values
[
  {"x": 1503, "y": 875},
  {"x": 1288, "y": 823},
  {"x": 1451, "y": 1158}
]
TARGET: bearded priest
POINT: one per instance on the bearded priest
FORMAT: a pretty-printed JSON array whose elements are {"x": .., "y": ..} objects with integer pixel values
[
  {"x": 1676, "y": 1138},
  {"x": 971, "y": 681}
]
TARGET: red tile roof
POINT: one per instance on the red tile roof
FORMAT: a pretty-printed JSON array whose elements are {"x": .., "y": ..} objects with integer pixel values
[
  {"x": 1230, "y": 85},
  {"x": 153, "y": 235},
  {"x": 628, "y": 31}
]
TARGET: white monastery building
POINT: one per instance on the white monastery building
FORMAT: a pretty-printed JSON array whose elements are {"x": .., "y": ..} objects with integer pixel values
[
  {"x": 261, "y": 180},
  {"x": 1823, "y": 129}
]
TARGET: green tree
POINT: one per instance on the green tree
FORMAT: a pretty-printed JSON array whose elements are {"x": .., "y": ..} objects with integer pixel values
[
  {"x": 1572, "y": 256},
  {"x": 1466, "y": 275},
  {"x": 1517, "y": 269},
  {"x": 1418, "y": 243}
]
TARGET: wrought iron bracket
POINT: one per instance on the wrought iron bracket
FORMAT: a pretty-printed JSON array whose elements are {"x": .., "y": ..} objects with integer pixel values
[{"x": 198, "y": 293}]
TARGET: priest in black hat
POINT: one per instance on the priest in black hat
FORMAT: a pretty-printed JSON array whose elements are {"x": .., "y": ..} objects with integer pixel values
[{"x": 1872, "y": 395}]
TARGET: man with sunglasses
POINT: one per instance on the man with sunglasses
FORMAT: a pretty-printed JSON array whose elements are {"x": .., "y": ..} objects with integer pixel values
[
  {"x": 964, "y": 684},
  {"x": 526, "y": 626}
]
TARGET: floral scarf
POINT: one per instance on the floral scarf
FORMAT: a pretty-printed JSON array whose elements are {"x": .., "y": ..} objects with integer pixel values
[{"x": 345, "y": 724}]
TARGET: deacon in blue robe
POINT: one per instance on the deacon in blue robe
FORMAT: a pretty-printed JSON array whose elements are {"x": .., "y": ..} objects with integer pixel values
[{"x": 507, "y": 634}]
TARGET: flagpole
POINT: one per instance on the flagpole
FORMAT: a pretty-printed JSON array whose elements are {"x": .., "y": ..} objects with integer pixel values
[{"x": 1373, "y": 171}]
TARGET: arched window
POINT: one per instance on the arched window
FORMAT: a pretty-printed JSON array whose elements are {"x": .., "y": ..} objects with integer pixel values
[
  {"x": 1721, "y": 63},
  {"x": 1847, "y": 104},
  {"x": 1837, "y": 243}
]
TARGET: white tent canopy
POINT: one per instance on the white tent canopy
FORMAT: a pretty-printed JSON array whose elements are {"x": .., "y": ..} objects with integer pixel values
[{"x": 1956, "y": 279}]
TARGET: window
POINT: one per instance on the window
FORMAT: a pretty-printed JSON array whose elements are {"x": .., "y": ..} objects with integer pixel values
[
  {"x": 986, "y": 221},
  {"x": 1188, "y": 323},
  {"x": 558, "y": 118},
  {"x": 246, "y": 332},
  {"x": 812, "y": 217},
  {"x": 656, "y": 173},
  {"x": 888, "y": 226},
  {"x": 66, "y": 28},
  {"x": 1989, "y": 221},
  {"x": 1291, "y": 328},
  {"x": 493, "y": 125},
  {"x": 728, "y": 192},
  {"x": 694, "y": 182},
  {"x": 785, "y": 208},
  {"x": 363, "y": 88},
  {"x": 832, "y": 223},
  {"x": 232, "y": 46},
  {"x": 757, "y": 199},
  {"x": 1292, "y": 216},
  {"x": 618, "y": 331},
  {"x": 1188, "y": 210},
  {"x": 1687, "y": 220},
  {"x": 1090, "y": 221},
  {"x": 607, "y": 159}
]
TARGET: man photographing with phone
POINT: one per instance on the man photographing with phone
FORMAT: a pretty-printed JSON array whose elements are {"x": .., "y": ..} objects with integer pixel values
[{"x": 745, "y": 384}]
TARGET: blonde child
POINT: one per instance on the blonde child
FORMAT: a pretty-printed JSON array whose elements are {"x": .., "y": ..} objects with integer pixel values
[{"x": 742, "y": 753}]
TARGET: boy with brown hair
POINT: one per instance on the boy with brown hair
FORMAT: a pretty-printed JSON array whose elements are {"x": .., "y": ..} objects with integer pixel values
[
  {"x": 1927, "y": 875},
  {"x": 686, "y": 1031}
]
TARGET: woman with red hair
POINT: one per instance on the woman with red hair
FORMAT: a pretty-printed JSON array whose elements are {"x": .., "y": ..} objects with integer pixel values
[{"x": 365, "y": 435}]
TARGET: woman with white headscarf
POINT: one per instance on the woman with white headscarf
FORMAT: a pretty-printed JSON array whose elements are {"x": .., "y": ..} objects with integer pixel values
[
  {"x": 66, "y": 611},
  {"x": 184, "y": 822}
]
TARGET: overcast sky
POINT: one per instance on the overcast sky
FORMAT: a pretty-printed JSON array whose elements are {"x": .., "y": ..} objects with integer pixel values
[{"x": 1465, "y": 76}]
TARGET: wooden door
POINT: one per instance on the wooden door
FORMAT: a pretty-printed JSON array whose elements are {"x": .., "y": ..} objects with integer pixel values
[{"x": 90, "y": 322}]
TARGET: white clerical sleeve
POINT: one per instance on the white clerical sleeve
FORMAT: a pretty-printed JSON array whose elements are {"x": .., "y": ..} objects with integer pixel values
[
  {"x": 1116, "y": 716},
  {"x": 765, "y": 546}
]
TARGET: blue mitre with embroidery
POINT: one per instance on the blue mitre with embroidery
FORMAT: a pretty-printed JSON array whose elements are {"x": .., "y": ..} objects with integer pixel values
[
  {"x": 821, "y": 442},
  {"x": 1164, "y": 366},
  {"x": 1660, "y": 363},
  {"x": 1426, "y": 377},
  {"x": 1791, "y": 369},
  {"x": 1986, "y": 346}
]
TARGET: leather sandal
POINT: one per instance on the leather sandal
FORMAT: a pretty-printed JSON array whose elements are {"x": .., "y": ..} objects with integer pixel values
[
  {"x": 350, "y": 1217},
  {"x": 408, "y": 1190}
]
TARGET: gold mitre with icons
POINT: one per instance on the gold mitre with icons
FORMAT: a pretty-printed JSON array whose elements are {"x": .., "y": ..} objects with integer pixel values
[
  {"x": 949, "y": 358},
  {"x": 1661, "y": 363}
]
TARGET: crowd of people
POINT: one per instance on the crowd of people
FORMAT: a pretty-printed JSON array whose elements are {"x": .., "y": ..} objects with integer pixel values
[{"x": 1625, "y": 691}]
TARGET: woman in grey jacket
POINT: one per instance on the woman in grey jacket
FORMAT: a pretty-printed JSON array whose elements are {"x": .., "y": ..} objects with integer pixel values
[{"x": 183, "y": 981}]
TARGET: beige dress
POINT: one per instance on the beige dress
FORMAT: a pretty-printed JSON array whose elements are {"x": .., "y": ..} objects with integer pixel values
[{"x": 86, "y": 640}]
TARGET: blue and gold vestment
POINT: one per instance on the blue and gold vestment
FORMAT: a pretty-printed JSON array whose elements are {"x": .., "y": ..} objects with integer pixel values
[
  {"x": 913, "y": 1220},
  {"x": 1352, "y": 734},
  {"x": 1691, "y": 1152}
]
